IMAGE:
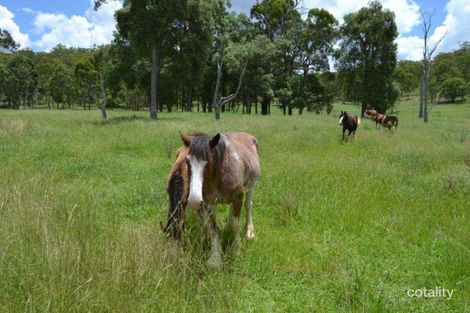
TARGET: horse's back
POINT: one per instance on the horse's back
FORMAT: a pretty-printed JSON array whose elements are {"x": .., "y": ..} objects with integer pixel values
[
  {"x": 243, "y": 140},
  {"x": 243, "y": 149}
]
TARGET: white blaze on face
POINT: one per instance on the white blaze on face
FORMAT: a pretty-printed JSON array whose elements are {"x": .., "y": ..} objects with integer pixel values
[
  {"x": 341, "y": 120},
  {"x": 195, "y": 184}
]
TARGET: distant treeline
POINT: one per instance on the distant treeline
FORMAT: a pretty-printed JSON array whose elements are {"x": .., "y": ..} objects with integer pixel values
[{"x": 193, "y": 53}]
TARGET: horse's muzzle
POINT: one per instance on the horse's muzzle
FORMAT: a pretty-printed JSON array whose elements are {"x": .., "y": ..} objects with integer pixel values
[{"x": 194, "y": 203}]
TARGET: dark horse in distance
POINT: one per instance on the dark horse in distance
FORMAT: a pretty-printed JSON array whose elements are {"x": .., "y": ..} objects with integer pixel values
[{"x": 349, "y": 123}]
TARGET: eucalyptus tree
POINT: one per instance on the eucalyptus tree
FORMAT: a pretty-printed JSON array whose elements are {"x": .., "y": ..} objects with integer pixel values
[
  {"x": 21, "y": 81},
  {"x": 61, "y": 85},
  {"x": 367, "y": 57},
  {"x": 317, "y": 39},
  {"x": 86, "y": 82},
  {"x": 194, "y": 42},
  {"x": 101, "y": 66},
  {"x": 151, "y": 26},
  {"x": 273, "y": 19},
  {"x": 45, "y": 65},
  {"x": 230, "y": 35},
  {"x": 3, "y": 80},
  {"x": 454, "y": 87},
  {"x": 305, "y": 51},
  {"x": 428, "y": 52},
  {"x": 161, "y": 28},
  {"x": 7, "y": 43},
  {"x": 407, "y": 74},
  {"x": 127, "y": 74}
]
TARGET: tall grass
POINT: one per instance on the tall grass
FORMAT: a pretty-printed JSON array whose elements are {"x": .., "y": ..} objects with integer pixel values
[{"x": 341, "y": 226}]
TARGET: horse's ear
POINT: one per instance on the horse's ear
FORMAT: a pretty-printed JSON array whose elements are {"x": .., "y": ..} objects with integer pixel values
[
  {"x": 214, "y": 141},
  {"x": 186, "y": 139}
]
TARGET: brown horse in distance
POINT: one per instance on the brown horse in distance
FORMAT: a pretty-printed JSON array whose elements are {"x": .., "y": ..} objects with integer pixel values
[
  {"x": 386, "y": 120},
  {"x": 374, "y": 115}
]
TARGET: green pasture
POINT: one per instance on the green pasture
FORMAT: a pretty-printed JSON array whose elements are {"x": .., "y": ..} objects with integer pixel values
[{"x": 341, "y": 226}]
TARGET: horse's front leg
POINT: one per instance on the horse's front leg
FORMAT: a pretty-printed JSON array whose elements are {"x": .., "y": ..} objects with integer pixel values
[
  {"x": 233, "y": 223},
  {"x": 215, "y": 260}
]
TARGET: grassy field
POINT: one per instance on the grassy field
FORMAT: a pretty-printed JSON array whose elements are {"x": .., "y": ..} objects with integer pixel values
[{"x": 340, "y": 227}]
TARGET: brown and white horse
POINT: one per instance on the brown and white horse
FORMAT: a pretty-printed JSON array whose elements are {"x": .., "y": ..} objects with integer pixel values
[
  {"x": 209, "y": 170},
  {"x": 349, "y": 123},
  {"x": 390, "y": 121},
  {"x": 386, "y": 120}
]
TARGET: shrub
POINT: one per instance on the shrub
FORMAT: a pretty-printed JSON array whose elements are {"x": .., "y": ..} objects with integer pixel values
[{"x": 454, "y": 87}]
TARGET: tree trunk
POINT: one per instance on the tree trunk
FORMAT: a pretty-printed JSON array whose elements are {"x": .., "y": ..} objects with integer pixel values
[
  {"x": 425, "y": 102},
  {"x": 265, "y": 105},
  {"x": 189, "y": 100},
  {"x": 103, "y": 97},
  {"x": 223, "y": 100},
  {"x": 421, "y": 98},
  {"x": 216, "y": 90},
  {"x": 154, "y": 82}
]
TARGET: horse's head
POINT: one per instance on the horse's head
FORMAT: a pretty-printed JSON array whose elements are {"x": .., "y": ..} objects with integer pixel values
[
  {"x": 342, "y": 116},
  {"x": 199, "y": 160}
]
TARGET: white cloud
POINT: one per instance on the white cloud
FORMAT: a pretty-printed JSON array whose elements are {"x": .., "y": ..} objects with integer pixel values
[
  {"x": 95, "y": 28},
  {"x": 407, "y": 17},
  {"x": 410, "y": 48},
  {"x": 407, "y": 14},
  {"x": 7, "y": 23},
  {"x": 27, "y": 10},
  {"x": 456, "y": 24},
  {"x": 406, "y": 11}
]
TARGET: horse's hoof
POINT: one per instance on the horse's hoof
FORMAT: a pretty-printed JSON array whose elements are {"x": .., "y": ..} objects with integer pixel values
[{"x": 250, "y": 234}]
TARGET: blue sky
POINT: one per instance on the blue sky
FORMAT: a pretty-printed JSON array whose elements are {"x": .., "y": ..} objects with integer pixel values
[{"x": 41, "y": 25}]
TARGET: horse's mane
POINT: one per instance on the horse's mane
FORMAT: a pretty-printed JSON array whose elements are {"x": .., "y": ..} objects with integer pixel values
[
  {"x": 200, "y": 149},
  {"x": 177, "y": 186}
]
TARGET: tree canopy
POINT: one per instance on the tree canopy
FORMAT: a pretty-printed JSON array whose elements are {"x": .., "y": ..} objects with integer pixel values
[
  {"x": 368, "y": 55},
  {"x": 6, "y": 41},
  {"x": 192, "y": 55}
]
